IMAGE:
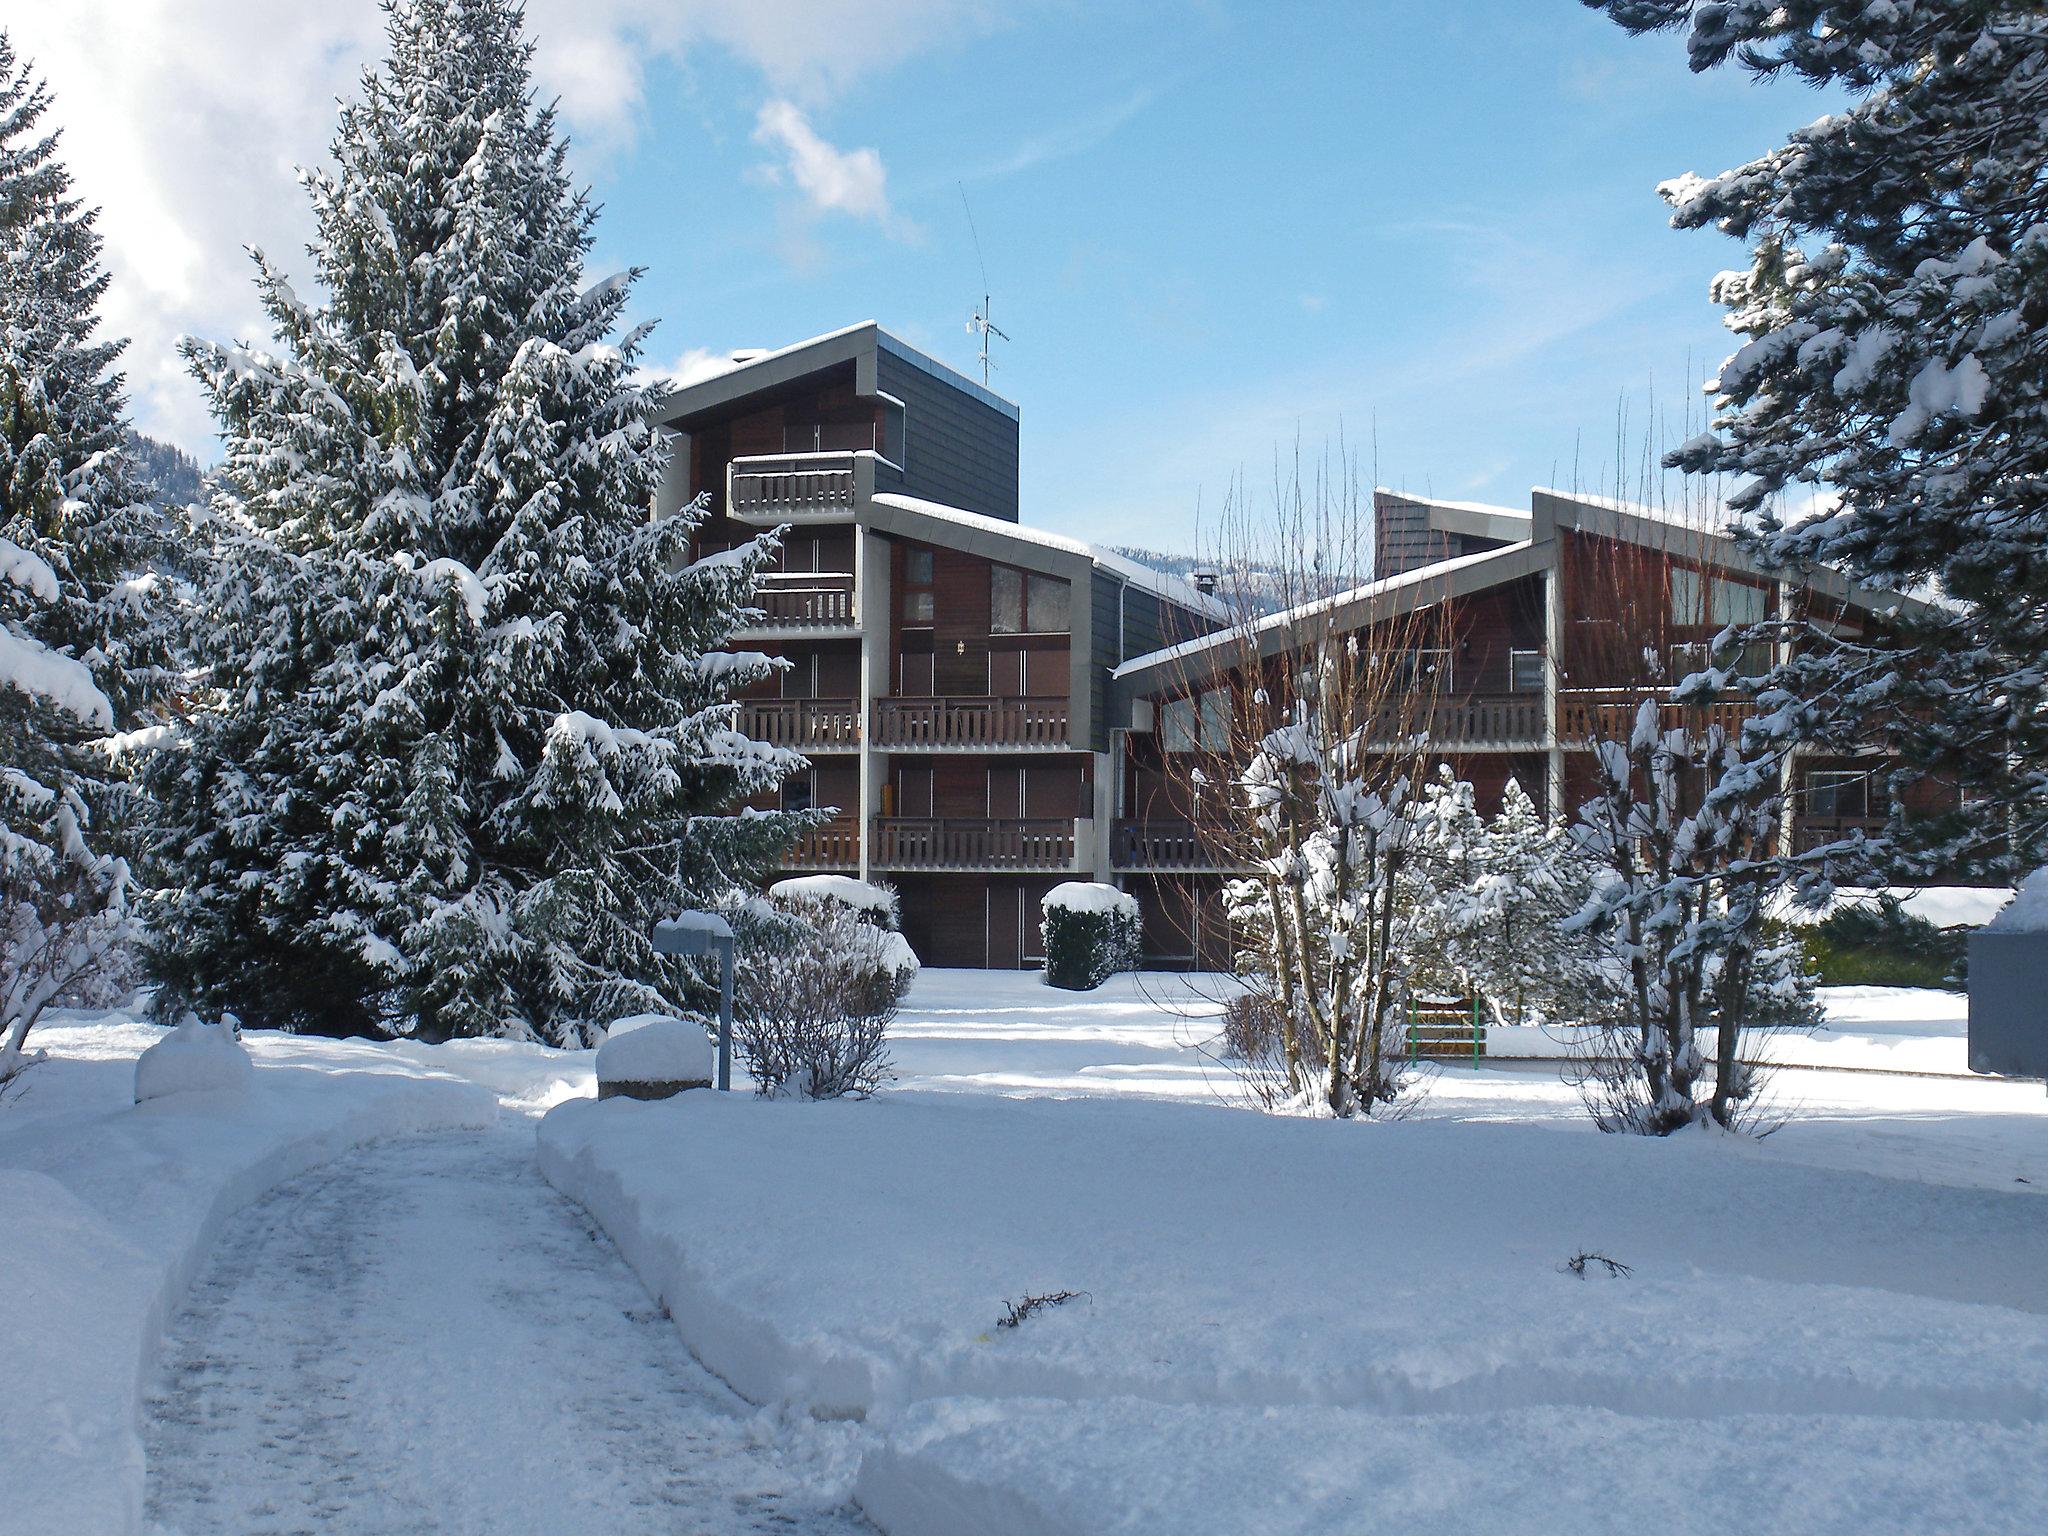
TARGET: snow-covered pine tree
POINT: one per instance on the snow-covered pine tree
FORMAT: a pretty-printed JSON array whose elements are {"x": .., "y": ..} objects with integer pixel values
[
  {"x": 81, "y": 639},
  {"x": 1896, "y": 316},
  {"x": 468, "y": 736}
]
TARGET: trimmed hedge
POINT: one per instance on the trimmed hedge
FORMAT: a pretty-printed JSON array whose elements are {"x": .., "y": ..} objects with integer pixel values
[{"x": 1087, "y": 943}]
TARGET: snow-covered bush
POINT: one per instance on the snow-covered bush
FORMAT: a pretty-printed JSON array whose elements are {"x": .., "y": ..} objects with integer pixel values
[
  {"x": 194, "y": 1058},
  {"x": 817, "y": 985},
  {"x": 1090, "y": 933},
  {"x": 871, "y": 899}
]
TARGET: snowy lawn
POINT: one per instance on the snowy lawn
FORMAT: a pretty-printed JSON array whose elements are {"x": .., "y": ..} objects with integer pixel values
[
  {"x": 108, "y": 1209},
  {"x": 1299, "y": 1326}
]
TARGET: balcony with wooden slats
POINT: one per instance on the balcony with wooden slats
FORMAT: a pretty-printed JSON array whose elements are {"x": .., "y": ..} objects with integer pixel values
[
  {"x": 808, "y": 725},
  {"x": 1609, "y": 714},
  {"x": 804, "y": 603},
  {"x": 1145, "y": 844},
  {"x": 796, "y": 487},
  {"x": 980, "y": 843},
  {"x": 972, "y": 724},
  {"x": 835, "y": 846},
  {"x": 1811, "y": 832},
  {"x": 1474, "y": 722}
]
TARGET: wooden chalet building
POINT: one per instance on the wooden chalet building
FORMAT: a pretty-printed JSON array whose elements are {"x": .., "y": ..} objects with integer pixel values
[
  {"x": 1540, "y": 624},
  {"x": 950, "y": 668}
]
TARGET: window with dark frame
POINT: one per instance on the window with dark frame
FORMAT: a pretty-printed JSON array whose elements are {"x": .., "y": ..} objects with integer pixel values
[
  {"x": 1027, "y": 604},
  {"x": 1525, "y": 671},
  {"x": 1837, "y": 794},
  {"x": 919, "y": 600}
]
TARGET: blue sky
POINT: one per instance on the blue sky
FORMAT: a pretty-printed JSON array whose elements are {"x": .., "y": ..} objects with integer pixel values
[{"x": 1210, "y": 228}]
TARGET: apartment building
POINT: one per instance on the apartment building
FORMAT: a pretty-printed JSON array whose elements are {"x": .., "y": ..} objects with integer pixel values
[
  {"x": 950, "y": 668},
  {"x": 1549, "y": 629}
]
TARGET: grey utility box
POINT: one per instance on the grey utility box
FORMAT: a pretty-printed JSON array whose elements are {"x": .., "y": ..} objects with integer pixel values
[{"x": 2009, "y": 1003}]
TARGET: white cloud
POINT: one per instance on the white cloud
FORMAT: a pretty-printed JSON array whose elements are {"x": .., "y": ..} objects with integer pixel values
[
  {"x": 185, "y": 121},
  {"x": 850, "y": 181}
]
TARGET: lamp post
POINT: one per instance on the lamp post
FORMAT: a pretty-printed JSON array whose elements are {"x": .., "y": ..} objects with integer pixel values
[{"x": 704, "y": 933}]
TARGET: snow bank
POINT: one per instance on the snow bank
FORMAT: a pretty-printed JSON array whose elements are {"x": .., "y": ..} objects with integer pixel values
[
  {"x": 193, "y": 1058},
  {"x": 108, "y": 1210},
  {"x": 2028, "y": 910},
  {"x": 649, "y": 1048},
  {"x": 853, "y": 1259},
  {"x": 1118, "y": 1468},
  {"x": 1945, "y": 906},
  {"x": 1088, "y": 896}
]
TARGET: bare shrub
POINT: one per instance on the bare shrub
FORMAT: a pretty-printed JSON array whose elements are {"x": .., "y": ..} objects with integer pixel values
[{"x": 816, "y": 990}]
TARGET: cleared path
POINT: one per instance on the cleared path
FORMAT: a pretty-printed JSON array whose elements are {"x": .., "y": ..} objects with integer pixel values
[{"x": 424, "y": 1337}]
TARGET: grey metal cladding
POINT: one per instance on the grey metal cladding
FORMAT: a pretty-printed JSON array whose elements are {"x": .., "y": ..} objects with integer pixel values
[
  {"x": 958, "y": 449},
  {"x": 1103, "y": 641}
]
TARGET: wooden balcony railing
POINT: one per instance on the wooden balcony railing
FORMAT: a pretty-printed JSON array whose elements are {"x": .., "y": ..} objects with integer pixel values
[
  {"x": 804, "y": 602},
  {"x": 809, "y": 725},
  {"x": 1140, "y": 843},
  {"x": 834, "y": 846},
  {"x": 1609, "y": 714},
  {"x": 1811, "y": 832},
  {"x": 905, "y": 842},
  {"x": 775, "y": 486},
  {"x": 1476, "y": 720},
  {"x": 959, "y": 722}
]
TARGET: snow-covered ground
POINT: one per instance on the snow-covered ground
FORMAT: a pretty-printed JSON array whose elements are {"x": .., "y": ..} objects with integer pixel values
[
  {"x": 1284, "y": 1325},
  {"x": 1298, "y": 1326}
]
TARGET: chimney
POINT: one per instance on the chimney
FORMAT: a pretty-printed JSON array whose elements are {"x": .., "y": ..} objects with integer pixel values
[{"x": 1205, "y": 579}]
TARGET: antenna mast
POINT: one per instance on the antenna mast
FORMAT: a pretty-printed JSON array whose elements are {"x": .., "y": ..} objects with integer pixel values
[{"x": 979, "y": 324}]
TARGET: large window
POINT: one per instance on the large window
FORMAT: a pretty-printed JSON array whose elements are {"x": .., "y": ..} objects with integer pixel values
[
  {"x": 1215, "y": 720},
  {"x": 1525, "y": 671},
  {"x": 1697, "y": 599},
  {"x": 919, "y": 603},
  {"x": 1198, "y": 724},
  {"x": 1022, "y": 604},
  {"x": 1837, "y": 794},
  {"x": 1177, "y": 725}
]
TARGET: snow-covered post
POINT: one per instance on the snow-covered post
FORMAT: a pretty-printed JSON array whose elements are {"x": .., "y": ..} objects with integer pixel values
[{"x": 704, "y": 933}]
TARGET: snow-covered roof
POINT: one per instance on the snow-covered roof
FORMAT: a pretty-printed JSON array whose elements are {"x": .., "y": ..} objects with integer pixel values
[
  {"x": 721, "y": 382},
  {"x": 1483, "y": 508},
  {"x": 1170, "y": 587},
  {"x": 1508, "y": 562}
]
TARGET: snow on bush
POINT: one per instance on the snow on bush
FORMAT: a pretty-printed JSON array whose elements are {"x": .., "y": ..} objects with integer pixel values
[
  {"x": 654, "y": 1048},
  {"x": 2027, "y": 912},
  {"x": 1091, "y": 932},
  {"x": 193, "y": 1058},
  {"x": 877, "y": 901}
]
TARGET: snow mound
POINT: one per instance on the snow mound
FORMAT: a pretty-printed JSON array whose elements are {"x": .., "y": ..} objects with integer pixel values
[
  {"x": 861, "y": 895},
  {"x": 1087, "y": 896},
  {"x": 2027, "y": 912},
  {"x": 193, "y": 1058},
  {"x": 652, "y": 1048},
  {"x": 897, "y": 956}
]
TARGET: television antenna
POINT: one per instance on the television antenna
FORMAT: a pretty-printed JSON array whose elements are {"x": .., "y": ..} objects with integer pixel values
[{"x": 979, "y": 324}]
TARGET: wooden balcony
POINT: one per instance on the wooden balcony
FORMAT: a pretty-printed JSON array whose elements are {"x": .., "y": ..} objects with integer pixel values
[
  {"x": 1609, "y": 714},
  {"x": 978, "y": 843},
  {"x": 822, "y": 601},
  {"x": 834, "y": 846},
  {"x": 1476, "y": 721},
  {"x": 1141, "y": 844},
  {"x": 796, "y": 487},
  {"x": 1811, "y": 832},
  {"x": 808, "y": 725},
  {"x": 972, "y": 724}
]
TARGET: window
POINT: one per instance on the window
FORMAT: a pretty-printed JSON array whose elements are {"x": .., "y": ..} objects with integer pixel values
[
  {"x": 1177, "y": 725},
  {"x": 1006, "y": 601},
  {"x": 1417, "y": 670},
  {"x": 1048, "y": 606},
  {"x": 1215, "y": 721},
  {"x": 797, "y": 792},
  {"x": 1696, "y": 601},
  {"x": 1525, "y": 671},
  {"x": 1026, "y": 605},
  {"x": 1751, "y": 659},
  {"x": 919, "y": 603},
  {"x": 1835, "y": 794}
]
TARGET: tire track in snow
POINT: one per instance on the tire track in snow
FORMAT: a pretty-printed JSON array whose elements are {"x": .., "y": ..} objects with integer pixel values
[{"x": 424, "y": 1337}]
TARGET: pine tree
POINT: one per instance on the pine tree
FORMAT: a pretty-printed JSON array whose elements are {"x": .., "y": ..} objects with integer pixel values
[
  {"x": 467, "y": 739},
  {"x": 1896, "y": 316},
  {"x": 81, "y": 642}
]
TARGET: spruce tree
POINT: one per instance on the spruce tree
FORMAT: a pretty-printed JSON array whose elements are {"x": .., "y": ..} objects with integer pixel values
[
  {"x": 467, "y": 738},
  {"x": 1895, "y": 316},
  {"x": 81, "y": 644}
]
